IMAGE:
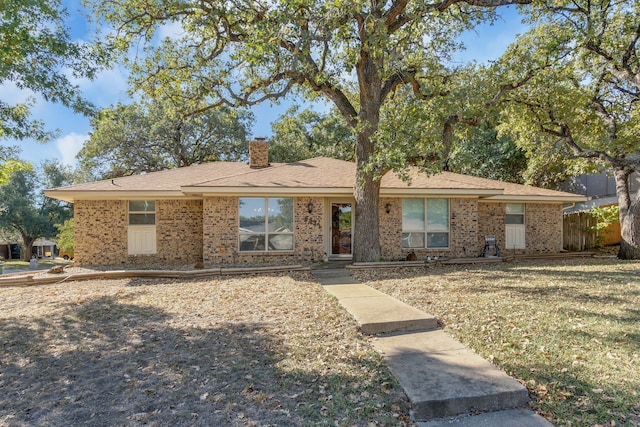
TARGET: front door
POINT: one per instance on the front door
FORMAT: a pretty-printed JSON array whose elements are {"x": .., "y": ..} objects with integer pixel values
[{"x": 341, "y": 227}]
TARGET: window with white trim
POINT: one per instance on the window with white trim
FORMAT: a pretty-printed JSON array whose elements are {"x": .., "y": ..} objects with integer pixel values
[
  {"x": 425, "y": 223},
  {"x": 515, "y": 230},
  {"x": 265, "y": 224},
  {"x": 141, "y": 232},
  {"x": 515, "y": 213}
]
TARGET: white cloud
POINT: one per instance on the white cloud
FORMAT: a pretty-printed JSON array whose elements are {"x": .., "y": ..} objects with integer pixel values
[{"x": 69, "y": 145}]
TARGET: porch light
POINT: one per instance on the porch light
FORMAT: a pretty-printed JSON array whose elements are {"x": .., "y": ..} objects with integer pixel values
[
  {"x": 310, "y": 207},
  {"x": 388, "y": 207}
]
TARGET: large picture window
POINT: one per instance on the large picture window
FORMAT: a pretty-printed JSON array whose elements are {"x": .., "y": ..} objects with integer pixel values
[
  {"x": 425, "y": 223},
  {"x": 141, "y": 233},
  {"x": 266, "y": 224}
]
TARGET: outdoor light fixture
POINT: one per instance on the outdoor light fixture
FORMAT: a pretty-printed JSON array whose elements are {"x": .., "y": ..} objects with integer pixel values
[
  {"x": 388, "y": 207},
  {"x": 310, "y": 207}
]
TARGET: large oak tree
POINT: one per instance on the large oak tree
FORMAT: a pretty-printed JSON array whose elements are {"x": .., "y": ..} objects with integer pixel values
[
  {"x": 355, "y": 53},
  {"x": 588, "y": 100}
]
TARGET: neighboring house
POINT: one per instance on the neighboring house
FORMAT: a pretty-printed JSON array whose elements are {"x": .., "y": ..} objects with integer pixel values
[
  {"x": 43, "y": 248},
  {"x": 226, "y": 213}
]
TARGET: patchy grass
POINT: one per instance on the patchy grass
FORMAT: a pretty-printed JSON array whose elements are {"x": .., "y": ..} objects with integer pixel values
[
  {"x": 568, "y": 329},
  {"x": 262, "y": 350}
]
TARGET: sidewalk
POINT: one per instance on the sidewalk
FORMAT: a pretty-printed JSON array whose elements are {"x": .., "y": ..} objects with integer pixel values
[{"x": 445, "y": 382}]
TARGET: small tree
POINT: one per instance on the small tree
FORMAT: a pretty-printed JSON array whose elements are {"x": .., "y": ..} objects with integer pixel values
[
  {"x": 65, "y": 235},
  {"x": 605, "y": 216}
]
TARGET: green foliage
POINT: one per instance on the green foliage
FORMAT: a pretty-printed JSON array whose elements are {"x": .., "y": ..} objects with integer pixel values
[
  {"x": 299, "y": 135},
  {"x": 65, "y": 235},
  {"x": 485, "y": 154},
  {"x": 9, "y": 163},
  {"x": 135, "y": 138},
  {"x": 37, "y": 54},
  {"x": 605, "y": 217},
  {"x": 25, "y": 211}
]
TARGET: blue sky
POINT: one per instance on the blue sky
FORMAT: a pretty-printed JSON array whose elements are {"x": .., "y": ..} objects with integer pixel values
[{"x": 487, "y": 42}]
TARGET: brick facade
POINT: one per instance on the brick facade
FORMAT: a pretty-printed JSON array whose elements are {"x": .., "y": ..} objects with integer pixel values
[
  {"x": 179, "y": 231},
  {"x": 221, "y": 234},
  {"x": 100, "y": 228},
  {"x": 101, "y": 234},
  {"x": 543, "y": 227},
  {"x": 190, "y": 231},
  {"x": 463, "y": 229}
]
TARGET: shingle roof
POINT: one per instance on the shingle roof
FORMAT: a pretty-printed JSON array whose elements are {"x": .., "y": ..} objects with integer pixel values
[{"x": 318, "y": 175}]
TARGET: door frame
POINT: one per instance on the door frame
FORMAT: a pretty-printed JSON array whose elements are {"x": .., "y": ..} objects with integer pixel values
[{"x": 329, "y": 227}]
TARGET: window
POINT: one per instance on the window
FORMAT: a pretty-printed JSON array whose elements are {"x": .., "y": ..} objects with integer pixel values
[
  {"x": 515, "y": 213},
  {"x": 425, "y": 223},
  {"x": 141, "y": 232},
  {"x": 515, "y": 231},
  {"x": 142, "y": 212},
  {"x": 266, "y": 224}
]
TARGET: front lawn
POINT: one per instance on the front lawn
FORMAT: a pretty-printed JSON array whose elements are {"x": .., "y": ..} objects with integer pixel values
[
  {"x": 569, "y": 330},
  {"x": 242, "y": 351}
]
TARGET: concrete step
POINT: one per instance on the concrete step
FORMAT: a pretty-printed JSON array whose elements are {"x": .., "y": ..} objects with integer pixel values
[
  {"x": 520, "y": 417},
  {"x": 375, "y": 312},
  {"x": 443, "y": 378}
]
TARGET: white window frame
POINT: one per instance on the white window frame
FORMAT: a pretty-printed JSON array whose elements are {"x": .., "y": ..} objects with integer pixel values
[
  {"x": 141, "y": 238},
  {"x": 266, "y": 232},
  {"x": 425, "y": 232}
]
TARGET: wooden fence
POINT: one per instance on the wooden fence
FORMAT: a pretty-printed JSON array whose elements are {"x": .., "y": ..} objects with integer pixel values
[{"x": 576, "y": 236}]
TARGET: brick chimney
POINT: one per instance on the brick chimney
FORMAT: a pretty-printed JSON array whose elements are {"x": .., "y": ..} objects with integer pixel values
[{"x": 258, "y": 153}]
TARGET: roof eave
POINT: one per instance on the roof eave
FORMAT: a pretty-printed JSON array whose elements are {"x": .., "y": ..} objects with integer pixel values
[
  {"x": 439, "y": 192},
  {"x": 72, "y": 196},
  {"x": 260, "y": 190},
  {"x": 533, "y": 198}
]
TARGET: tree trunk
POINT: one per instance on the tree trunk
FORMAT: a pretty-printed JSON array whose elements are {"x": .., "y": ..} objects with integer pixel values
[
  {"x": 366, "y": 239},
  {"x": 28, "y": 244},
  {"x": 629, "y": 217}
]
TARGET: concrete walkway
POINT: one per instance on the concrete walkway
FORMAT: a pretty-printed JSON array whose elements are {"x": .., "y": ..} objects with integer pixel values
[{"x": 445, "y": 382}]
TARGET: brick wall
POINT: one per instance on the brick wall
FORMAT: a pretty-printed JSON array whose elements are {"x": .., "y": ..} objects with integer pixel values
[
  {"x": 258, "y": 154},
  {"x": 100, "y": 228},
  {"x": 543, "y": 227},
  {"x": 220, "y": 234},
  {"x": 463, "y": 229},
  {"x": 101, "y": 234},
  {"x": 179, "y": 231},
  {"x": 491, "y": 221}
]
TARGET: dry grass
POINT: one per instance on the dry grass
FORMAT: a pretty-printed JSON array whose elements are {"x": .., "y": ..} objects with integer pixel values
[
  {"x": 260, "y": 350},
  {"x": 568, "y": 330}
]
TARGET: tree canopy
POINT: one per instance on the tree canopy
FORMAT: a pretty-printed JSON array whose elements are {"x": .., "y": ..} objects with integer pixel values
[
  {"x": 38, "y": 54},
  {"x": 585, "y": 101},
  {"x": 147, "y": 137},
  {"x": 25, "y": 211},
  {"x": 305, "y": 134},
  {"x": 354, "y": 53}
]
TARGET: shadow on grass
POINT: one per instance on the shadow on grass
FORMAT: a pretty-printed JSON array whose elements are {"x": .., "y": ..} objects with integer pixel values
[{"x": 106, "y": 362}]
